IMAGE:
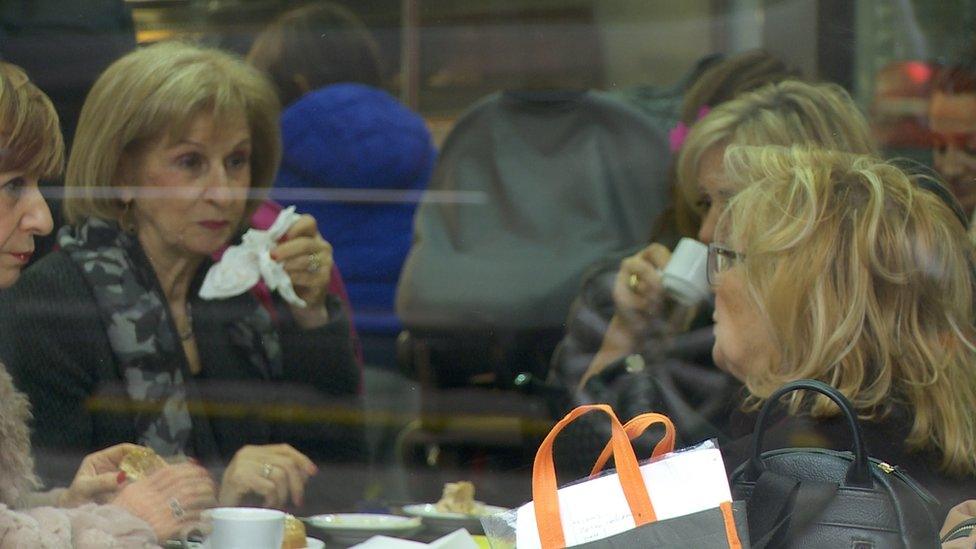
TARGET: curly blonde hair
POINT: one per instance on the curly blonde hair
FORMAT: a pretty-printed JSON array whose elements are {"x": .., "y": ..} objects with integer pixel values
[{"x": 865, "y": 281}]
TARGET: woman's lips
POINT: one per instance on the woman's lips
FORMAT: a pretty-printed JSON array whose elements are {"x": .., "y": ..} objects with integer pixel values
[
  {"x": 22, "y": 257},
  {"x": 214, "y": 225}
]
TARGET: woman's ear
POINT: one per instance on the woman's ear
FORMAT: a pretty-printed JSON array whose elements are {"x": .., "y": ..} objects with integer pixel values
[{"x": 124, "y": 179}]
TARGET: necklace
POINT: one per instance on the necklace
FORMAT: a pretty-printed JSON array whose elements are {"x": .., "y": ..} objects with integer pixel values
[{"x": 187, "y": 335}]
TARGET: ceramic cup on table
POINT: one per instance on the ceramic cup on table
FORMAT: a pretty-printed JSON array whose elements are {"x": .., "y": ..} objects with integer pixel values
[
  {"x": 243, "y": 528},
  {"x": 685, "y": 277}
]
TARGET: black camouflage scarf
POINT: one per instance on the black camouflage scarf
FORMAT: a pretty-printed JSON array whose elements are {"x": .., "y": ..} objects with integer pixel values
[{"x": 142, "y": 334}]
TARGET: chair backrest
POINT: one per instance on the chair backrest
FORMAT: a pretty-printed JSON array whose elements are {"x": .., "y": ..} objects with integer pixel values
[{"x": 545, "y": 184}]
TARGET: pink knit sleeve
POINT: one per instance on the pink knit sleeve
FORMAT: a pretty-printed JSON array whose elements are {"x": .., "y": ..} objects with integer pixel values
[{"x": 87, "y": 527}]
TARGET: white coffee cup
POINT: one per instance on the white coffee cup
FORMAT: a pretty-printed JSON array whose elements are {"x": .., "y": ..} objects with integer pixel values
[
  {"x": 685, "y": 277},
  {"x": 245, "y": 528}
]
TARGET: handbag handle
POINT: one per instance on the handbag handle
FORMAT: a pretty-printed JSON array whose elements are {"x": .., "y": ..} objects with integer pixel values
[
  {"x": 635, "y": 428},
  {"x": 859, "y": 473},
  {"x": 545, "y": 498}
]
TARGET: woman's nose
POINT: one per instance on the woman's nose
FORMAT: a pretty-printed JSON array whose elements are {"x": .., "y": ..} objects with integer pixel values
[
  {"x": 707, "y": 230},
  {"x": 220, "y": 188},
  {"x": 37, "y": 219}
]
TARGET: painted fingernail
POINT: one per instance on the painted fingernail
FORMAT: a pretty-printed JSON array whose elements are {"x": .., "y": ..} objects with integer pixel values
[{"x": 120, "y": 478}]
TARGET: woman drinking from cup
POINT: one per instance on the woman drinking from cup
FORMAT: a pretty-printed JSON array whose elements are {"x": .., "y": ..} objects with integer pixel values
[
  {"x": 141, "y": 512},
  {"x": 781, "y": 113},
  {"x": 174, "y": 148},
  {"x": 785, "y": 113}
]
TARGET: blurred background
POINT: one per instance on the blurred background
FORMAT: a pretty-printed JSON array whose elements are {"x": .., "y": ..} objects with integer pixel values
[{"x": 440, "y": 57}]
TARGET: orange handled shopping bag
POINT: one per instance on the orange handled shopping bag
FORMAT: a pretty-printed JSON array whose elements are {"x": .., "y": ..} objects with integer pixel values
[{"x": 673, "y": 500}]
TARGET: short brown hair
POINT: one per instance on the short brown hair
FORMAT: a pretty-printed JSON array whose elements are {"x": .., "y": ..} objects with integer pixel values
[
  {"x": 29, "y": 129},
  {"x": 158, "y": 90}
]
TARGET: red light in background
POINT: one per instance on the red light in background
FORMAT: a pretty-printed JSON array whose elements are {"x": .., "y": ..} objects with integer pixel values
[{"x": 918, "y": 72}]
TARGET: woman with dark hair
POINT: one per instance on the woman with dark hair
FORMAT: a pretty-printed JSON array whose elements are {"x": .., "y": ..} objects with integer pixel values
[{"x": 952, "y": 119}]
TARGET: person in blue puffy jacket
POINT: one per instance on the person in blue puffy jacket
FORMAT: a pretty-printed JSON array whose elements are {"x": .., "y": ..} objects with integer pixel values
[{"x": 354, "y": 157}]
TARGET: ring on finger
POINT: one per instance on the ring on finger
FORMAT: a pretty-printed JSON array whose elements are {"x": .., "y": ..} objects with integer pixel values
[
  {"x": 314, "y": 262},
  {"x": 633, "y": 282},
  {"x": 266, "y": 470},
  {"x": 176, "y": 508}
]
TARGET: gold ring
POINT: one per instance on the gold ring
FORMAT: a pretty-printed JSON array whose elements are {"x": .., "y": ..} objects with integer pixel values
[
  {"x": 266, "y": 470},
  {"x": 633, "y": 282},
  {"x": 314, "y": 262}
]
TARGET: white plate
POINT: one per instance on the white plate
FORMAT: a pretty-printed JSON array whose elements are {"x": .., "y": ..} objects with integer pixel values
[
  {"x": 352, "y": 528},
  {"x": 310, "y": 543},
  {"x": 451, "y": 521}
]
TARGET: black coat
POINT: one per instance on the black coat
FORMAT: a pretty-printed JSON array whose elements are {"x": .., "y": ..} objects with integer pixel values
[{"x": 56, "y": 347}]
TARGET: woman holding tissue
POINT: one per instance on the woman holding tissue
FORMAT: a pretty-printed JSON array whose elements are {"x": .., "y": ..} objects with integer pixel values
[
  {"x": 140, "y": 512},
  {"x": 109, "y": 336}
]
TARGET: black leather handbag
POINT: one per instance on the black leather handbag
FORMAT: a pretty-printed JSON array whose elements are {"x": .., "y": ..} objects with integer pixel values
[{"x": 816, "y": 498}]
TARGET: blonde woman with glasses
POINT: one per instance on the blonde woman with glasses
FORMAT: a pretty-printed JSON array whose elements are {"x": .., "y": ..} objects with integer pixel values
[{"x": 844, "y": 269}]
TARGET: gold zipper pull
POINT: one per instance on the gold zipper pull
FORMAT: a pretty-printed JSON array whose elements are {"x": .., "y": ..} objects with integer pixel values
[{"x": 885, "y": 467}]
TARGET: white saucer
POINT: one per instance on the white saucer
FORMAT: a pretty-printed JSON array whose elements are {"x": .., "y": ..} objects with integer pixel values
[
  {"x": 352, "y": 528},
  {"x": 448, "y": 522}
]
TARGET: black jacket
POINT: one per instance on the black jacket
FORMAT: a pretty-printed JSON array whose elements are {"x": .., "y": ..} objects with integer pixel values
[{"x": 56, "y": 347}]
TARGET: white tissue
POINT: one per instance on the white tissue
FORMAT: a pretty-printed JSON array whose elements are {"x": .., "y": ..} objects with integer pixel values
[{"x": 242, "y": 266}]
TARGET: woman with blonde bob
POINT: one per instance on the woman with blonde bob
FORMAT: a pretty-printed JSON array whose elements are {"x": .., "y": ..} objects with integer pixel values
[
  {"x": 174, "y": 149},
  {"x": 842, "y": 268},
  {"x": 139, "y": 516}
]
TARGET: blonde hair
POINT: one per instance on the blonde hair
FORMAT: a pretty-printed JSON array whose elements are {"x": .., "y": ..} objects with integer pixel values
[
  {"x": 865, "y": 282},
  {"x": 155, "y": 92},
  {"x": 785, "y": 113},
  {"x": 721, "y": 82},
  {"x": 30, "y": 136}
]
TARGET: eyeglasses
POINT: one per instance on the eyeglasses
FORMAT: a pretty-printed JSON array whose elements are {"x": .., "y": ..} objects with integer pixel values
[{"x": 720, "y": 259}]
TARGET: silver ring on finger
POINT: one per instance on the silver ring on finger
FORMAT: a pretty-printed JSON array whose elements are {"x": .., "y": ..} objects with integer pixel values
[
  {"x": 266, "y": 470},
  {"x": 314, "y": 262},
  {"x": 176, "y": 509}
]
